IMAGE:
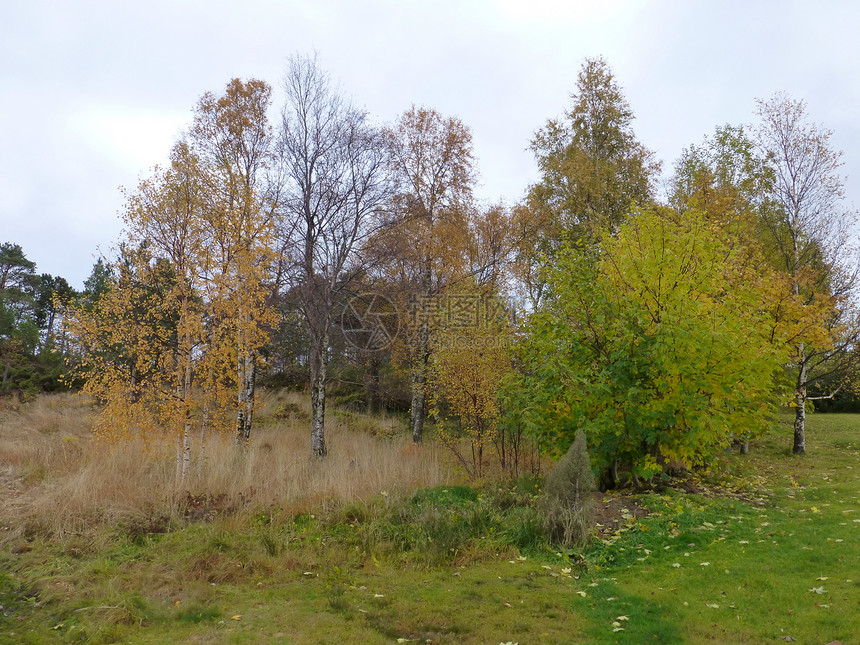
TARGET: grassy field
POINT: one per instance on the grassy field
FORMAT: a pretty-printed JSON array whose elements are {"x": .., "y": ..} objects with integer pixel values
[{"x": 97, "y": 547}]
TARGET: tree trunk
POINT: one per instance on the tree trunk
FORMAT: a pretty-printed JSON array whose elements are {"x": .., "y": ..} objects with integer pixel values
[
  {"x": 247, "y": 372},
  {"x": 799, "y": 447},
  {"x": 419, "y": 382},
  {"x": 800, "y": 421},
  {"x": 47, "y": 345},
  {"x": 204, "y": 428},
  {"x": 183, "y": 453},
  {"x": 416, "y": 409},
  {"x": 183, "y": 458},
  {"x": 186, "y": 398},
  {"x": 250, "y": 386},
  {"x": 800, "y": 409},
  {"x": 318, "y": 363},
  {"x": 371, "y": 385}
]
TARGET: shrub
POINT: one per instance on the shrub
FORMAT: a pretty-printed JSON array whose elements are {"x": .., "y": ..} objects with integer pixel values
[{"x": 568, "y": 516}]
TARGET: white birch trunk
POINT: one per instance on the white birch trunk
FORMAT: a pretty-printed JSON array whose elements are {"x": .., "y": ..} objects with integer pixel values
[
  {"x": 800, "y": 397},
  {"x": 318, "y": 363}
]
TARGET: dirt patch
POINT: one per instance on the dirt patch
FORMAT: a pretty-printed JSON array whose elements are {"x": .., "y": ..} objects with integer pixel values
[{"x": 613, "y": 509}]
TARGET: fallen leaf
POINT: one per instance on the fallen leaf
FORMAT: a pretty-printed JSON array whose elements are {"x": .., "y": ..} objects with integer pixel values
[{"x": 236, "y": 617}]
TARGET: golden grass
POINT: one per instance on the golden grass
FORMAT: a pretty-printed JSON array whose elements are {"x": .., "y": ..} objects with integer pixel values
[{"x": 59, "y": 480}]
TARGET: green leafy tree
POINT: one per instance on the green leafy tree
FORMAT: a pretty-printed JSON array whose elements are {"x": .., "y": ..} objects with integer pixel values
[
  {"x": 53, "y": 295},
  {"x": 657, "y": 345},
  {"x": 97, "y": 283},
  {"x": 593, "y": 170},
  {"x": 17, "y": 273},
  {"x": 18, "y": 328}
]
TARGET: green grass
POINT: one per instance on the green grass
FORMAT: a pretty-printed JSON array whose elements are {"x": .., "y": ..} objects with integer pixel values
[{"x": 767, "y": 550}]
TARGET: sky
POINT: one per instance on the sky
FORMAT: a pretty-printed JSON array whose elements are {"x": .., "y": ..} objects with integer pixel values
[{"x": 94, "y": 93}]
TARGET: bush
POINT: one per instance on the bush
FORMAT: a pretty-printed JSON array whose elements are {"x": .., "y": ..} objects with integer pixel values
[
  {"x": 567, "y": 512},
  {"x": 655, "y": 342}
]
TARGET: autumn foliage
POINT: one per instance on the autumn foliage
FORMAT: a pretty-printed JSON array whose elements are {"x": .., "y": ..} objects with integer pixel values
[{"x": 656, "y": 332}]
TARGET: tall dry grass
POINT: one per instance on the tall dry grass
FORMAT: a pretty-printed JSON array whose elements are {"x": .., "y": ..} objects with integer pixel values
[{"x": 58, "y": 479}]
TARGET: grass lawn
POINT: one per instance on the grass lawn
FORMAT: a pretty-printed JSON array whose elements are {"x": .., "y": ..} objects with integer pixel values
[{"x": 764, "y": 551}]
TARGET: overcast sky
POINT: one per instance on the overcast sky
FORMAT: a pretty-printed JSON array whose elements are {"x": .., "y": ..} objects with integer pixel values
[{"x": 95, "y": 92}]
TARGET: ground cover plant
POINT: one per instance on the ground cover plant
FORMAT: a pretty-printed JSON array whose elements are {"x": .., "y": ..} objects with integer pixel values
[{"x": 762, "y": 548}]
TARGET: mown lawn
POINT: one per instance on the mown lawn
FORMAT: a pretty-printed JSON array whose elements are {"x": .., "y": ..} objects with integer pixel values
[{"x": 764, "y": 551}]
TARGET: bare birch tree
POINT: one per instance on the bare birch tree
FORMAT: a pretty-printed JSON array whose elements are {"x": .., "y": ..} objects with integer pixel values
[{"x": 335, "y": 178}]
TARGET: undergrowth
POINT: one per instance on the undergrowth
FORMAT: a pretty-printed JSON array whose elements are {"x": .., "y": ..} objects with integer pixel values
[{"x": 759, "y": 549}]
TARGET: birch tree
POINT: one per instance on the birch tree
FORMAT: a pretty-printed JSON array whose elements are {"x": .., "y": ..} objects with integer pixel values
[
  {"x": 432, "y": 162},
  {"x": 335, "y": 182},
  {"x": 165, "y": 213},
  {"x": 592, "y": 167},
  {"x": 168, "y": 342},
  {"x": 809, "y": 230},
  {"x": 234, "y": 145}
]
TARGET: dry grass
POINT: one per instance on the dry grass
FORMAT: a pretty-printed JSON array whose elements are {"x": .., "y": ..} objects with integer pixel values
[{"x": 62, "y": 481}]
